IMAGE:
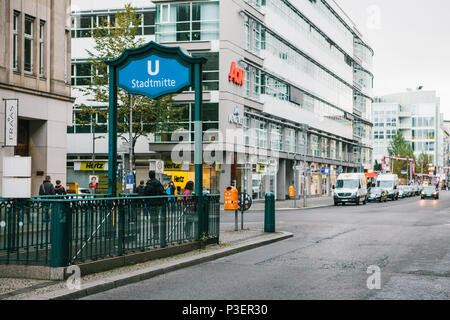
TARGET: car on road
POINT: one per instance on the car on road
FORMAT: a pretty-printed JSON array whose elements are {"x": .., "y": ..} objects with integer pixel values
[
  {"x": 417, "y": 189},
  {"x": 350, "y": 188},
  {"x": 430, "y": 192},
  {"x": 402, "y": 191},
  {"x": 377, "y": 194},
  {"x": 389, "y": 182},
  {"x": 410, "y": 191}
]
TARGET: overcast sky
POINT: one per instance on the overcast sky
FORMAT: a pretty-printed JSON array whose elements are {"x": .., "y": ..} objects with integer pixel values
[{"x": 411, "y": 40}]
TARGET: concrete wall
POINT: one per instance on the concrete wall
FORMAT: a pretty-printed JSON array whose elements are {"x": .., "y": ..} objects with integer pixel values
[{"x": 43, "y": 100}]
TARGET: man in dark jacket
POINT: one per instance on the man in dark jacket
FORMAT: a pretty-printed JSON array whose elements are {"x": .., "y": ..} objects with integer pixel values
[
  {"x": 140, "y": 189},
  {"x": 154, "y": 188},
  {"x": 46, "y": 189}
]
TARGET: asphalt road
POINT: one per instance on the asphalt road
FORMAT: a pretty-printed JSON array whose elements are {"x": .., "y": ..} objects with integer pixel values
[{"x": 328, "y": 257}]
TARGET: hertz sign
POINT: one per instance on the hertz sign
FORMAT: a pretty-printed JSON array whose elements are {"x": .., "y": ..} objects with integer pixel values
[{"x": 236, "y": 74}]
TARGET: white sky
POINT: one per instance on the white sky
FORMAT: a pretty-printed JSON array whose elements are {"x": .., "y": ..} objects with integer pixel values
[{"x": 411, "y": 40}]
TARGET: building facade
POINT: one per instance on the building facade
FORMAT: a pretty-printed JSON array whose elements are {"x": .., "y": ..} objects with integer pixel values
[
  {"x": 417, "y": 115},
  {"x": 287, "y": 90},
  {"x": 35, "y": 72}
]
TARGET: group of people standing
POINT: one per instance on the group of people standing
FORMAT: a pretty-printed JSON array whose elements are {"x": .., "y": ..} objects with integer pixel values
[
  {"x": 155, "y": 188},
  {"x": 47, "y": 188}
]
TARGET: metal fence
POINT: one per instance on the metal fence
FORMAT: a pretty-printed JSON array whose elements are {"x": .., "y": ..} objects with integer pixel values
[{"x": 60, "y": 231}]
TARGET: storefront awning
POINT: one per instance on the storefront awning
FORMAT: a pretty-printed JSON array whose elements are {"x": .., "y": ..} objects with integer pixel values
[{"x": 371, "y": 175}]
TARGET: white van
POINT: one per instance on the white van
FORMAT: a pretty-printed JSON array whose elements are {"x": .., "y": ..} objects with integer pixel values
[
  {"x": 350, "y": 187},
  {"x": 389, "y": 182}
]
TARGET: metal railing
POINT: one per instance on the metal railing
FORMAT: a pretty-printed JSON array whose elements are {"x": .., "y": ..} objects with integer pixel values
[{"x": 63, "y": 230}]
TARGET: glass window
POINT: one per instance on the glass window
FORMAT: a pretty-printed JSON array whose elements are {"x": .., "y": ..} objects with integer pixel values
[
  {"x": 16, "y": 41},
  {"x": 315, "y": 145},
  {"x": 41, "y": 48},
  {"x": 276, "y": 137},
  {"x": 28, "y": 44},
  {"x": 290, "y": 141},
  {"x": 193, "y": 21}
]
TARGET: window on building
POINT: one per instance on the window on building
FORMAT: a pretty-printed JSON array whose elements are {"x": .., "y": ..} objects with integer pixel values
[
  {"x": 276, "y": 137},
  {"x": 41, "y": 48},
  {"x": 81, "y": 74},
  {"x": 325, "y": 147},
  {"x": 247, "y": 33},
  {"x": 192, "y": 21},
  {"x": 333, "y": 154},
  {"x": 28, "y": 44},
  {"x": 83, "y": 26},
  {"x": 247, "y": 131},
  {"x": 16, "y": 25},
  {"x": 315, "y": 146},
  {"x": 290, "y": 141},
  {"x": 210, "y": 70},
  {"x": 66, "y": 56},
  {"x": 302, "y": 142},
  {"x": 259, "y": 133}
]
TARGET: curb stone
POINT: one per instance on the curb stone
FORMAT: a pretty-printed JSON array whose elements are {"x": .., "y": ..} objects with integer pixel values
[{"x": 116, "y": 281}]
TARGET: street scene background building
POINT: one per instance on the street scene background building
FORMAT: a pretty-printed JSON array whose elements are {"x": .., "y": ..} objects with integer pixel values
[
  {"x": 304, "y": 105},
  {"x": 35, "y": 69},
  {"x": 417, "y": 114}
]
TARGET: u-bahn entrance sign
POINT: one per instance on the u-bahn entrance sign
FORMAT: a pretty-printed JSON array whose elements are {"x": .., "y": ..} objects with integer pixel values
[{"x": 154, "y": 71}]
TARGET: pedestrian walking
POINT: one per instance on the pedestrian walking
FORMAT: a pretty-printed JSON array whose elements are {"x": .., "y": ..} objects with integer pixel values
[
  {"x": 46, "y": 189},
  {"x": 154, "y": 188},
  {"x": 59, "y": 189},
  {"x": 189, "y": 209},
  {"x": 170, "y": 191},
  {"x": 172, "y": 187},
  {"x": 140, "y": 189}
]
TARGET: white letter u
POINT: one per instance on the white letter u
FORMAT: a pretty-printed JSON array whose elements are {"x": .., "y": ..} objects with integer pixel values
[{"x": 153, "y": 73}]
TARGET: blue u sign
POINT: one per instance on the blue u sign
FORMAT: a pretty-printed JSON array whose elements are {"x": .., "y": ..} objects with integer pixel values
[
  {"x": 154, "y": 76},
  {"x": 154, "y": 70}
]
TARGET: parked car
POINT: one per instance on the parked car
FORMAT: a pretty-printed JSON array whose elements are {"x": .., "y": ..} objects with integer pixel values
[
  {"x": 389, "y": 182},
  {"x": 410, "y": 191},
  {"x": 430, "y": 192},
  {"x": 377, "y": 194},
  {"x": 84, "y": 191},
  {"x": 402, "y": 191}
]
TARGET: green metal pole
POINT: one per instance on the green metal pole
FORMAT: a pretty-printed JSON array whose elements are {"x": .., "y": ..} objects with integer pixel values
[
  {"x": 60, "y": 235},
  {"x": 198, "y": 151},
  {"x": 112, "y": 133}
]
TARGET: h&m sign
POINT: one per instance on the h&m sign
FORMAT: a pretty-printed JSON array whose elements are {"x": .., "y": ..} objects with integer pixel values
[{"x": 236, "y": 74}]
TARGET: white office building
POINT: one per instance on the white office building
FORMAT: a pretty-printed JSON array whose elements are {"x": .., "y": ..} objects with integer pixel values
[
  {"x": 306, "y": 98},
  {"x": 416, "y": 113}
]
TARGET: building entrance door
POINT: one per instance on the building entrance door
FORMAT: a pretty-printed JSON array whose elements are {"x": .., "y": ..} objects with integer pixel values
[{"x": 23, "y": 139}]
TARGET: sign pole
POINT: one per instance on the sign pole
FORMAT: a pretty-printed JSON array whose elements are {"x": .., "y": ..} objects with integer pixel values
[
  {"x": 198, "y": 140},
  {"x": 112, "y": 132}
]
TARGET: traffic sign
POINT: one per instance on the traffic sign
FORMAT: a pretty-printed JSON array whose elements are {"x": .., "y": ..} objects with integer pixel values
[
  {"x": 130, "y": 181},
  {"x": 159, "y": 166},
  {"x": 245, "y": 202}
]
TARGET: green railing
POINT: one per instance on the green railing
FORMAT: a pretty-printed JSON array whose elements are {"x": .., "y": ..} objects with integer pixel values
[{"x": 64, "y": 230}]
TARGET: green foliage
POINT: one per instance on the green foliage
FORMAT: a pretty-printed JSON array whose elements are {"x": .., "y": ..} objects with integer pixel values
[
  {"x": 422, "y": 163},
  {"x": 377, "y": 166},
  {"x": 399, "y": 147},
  {"x": 110, "y": 41}
]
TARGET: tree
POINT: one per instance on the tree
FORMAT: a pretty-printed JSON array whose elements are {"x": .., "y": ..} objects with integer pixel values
[
  {"x": 149, "y": 115},
  {"x": 399, "y": 147},
  {"x": 422, "y": 163},
  {"x": 377, "y": 166}
]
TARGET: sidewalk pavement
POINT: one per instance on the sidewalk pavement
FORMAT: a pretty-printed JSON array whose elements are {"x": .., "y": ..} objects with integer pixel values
[
  {"x": 312, "y": 202},
  {"x": 231, "y": 242}
]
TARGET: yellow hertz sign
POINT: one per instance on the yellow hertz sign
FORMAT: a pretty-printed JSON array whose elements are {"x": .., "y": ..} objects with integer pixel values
[{"x": 88, "y": 166}]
